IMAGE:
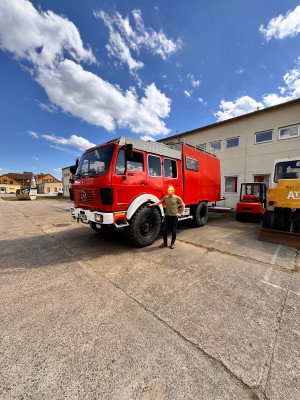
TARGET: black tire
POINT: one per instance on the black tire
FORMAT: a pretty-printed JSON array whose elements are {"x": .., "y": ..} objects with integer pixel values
[
  {"x": 280, "y": 221},
  {"x": 296, "y": 222},
  {"x": 239, "y": 216},
  {"x": 144, "y": 226},
  {"x": 200, "y": 214},
  {"x": 268, "y": 220}
]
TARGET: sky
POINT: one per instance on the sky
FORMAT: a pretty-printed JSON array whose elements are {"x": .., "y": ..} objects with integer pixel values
[{"x": 74, "y": 74}]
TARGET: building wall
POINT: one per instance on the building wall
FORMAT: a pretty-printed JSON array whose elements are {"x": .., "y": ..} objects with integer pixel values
[
  {"x": 11, "y": 185},
  {"x": 49, "y": 187},
  {"x": 250, "y": 159},
  {"x": 66, "y": 175}
]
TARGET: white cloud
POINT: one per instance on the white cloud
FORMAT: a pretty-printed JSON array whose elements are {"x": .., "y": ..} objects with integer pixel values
[
  {"x": 240, "y": 71},
  {"x": 242, "y": 105},
  {"x": 46, "y": 40},
  {"x": 1, "y": 169},
  {"x": 123, "y": 39},
  {"x": 187, "y": 94},
  {"x": 57, "y": 169},
  {"x": 281, "y": 27},
  {"x": 35, "y": 158},
  {"x": 75, "y": 141},
  {"x": 33, "y": 134},
  {"x": 98, "y": 102},
  {"x": 195, "y": 83},
  {"x": 147, "y": 138},
  {"x": 37, "y": 36}
]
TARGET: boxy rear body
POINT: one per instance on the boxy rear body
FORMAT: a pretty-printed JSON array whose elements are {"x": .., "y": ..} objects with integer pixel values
[{"x": 112, "y": 186}]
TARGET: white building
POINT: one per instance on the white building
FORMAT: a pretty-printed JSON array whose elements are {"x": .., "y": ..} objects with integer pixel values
[
  {"x": 66, "y": 175},
  {"x": 249, "y": 144}
]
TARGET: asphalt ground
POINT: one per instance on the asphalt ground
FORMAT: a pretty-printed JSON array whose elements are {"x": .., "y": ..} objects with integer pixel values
[{"x": 83, "y": 315}]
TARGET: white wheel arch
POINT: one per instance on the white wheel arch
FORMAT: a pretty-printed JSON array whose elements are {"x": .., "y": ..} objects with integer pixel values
[{"x": 142, "y": 199}]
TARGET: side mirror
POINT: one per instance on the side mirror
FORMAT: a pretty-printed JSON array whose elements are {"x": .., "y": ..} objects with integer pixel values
[
  {"x": 129, "y": 152},
  {"x": 73, "y": 168}
]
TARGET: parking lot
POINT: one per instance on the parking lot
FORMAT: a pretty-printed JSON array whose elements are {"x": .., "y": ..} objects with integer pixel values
[{"x": 86, "y": 316}]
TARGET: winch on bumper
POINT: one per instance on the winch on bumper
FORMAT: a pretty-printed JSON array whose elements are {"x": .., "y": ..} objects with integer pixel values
[{"x": 97, "y": 217}]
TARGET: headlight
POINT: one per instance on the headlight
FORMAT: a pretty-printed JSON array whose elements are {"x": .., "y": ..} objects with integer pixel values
[{"x": 98, "y": 218}]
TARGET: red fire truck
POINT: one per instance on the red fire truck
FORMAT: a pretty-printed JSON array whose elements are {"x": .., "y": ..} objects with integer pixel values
[{"x": 113, "y": 183}]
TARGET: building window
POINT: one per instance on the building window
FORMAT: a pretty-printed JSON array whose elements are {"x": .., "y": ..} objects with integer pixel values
[
  {"x": 170, "y": 168},
  {"x": 5, "y": 181},
  {"x": 154, "y": 166},
  {"x": 289, "y": 132},
  {"x": 230, "y": 184},
  {"x": 233, "y": 142},
  {"x": 263, "y": 137},
  {"x": 263, "y": 179},
  {"x": 202, "y": 146},
  {"x": 215, "y": 145},
  {"x": 191, "y": 164},
  {"x": 48, "y": 190},
  {"x": 11, "y": 182}
]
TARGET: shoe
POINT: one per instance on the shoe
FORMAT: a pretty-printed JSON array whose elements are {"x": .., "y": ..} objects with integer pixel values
[
  {"x": 163, "y": 245},
  {"x": 172, "y": 246}
]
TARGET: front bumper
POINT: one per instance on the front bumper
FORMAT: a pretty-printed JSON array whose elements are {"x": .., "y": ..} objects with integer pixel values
[{"x": 87, "y": 216}]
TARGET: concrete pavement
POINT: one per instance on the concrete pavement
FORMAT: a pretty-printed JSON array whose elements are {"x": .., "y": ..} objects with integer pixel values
[{"x": 84, "y": 315}]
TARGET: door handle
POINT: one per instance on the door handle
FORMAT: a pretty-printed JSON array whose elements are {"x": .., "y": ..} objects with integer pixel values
[
  {"x": 176, "y": 184},
  {"x": 143, "y": 183}
]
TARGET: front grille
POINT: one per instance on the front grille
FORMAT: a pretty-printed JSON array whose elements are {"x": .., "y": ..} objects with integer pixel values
[{"x": 86, "y": 197}]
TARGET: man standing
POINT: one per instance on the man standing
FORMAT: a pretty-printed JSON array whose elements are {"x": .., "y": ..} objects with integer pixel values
[{"x": 171, "y": 215}]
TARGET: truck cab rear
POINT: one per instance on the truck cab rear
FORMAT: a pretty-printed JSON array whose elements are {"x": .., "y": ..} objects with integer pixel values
[{"x": 113, "y": 183}]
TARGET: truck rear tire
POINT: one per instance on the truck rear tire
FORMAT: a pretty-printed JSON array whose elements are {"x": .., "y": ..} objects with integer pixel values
[
  {"x": 144, "y": 226},
  {"x": 239, "y": 216},
  {"x": 268, "y": 220},
  {"x": 296, "y": 222},
  {"x": 200, "y": 214},
  {"x": 280, "y": 221}
]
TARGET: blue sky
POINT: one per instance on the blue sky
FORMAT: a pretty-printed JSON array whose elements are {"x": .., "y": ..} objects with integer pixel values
[{"x": 74, "y": 74}]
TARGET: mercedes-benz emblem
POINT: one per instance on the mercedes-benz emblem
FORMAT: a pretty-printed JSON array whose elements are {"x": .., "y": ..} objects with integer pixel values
[{"x": 83, "y": 196}]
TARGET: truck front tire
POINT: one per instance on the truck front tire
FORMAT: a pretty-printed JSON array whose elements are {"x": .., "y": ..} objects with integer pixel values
[
  {"x": 144, "y": 226},
  {"x": 200, "y": 214}
]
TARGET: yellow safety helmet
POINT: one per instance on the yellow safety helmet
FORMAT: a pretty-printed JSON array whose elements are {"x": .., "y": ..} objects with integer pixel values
[{"x": 171, "y": 189}]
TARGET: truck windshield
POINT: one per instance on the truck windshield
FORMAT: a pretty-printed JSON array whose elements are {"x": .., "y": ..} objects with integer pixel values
[
  {"x": 287, "y": 170},
  {"x": 95, "y": 162}
]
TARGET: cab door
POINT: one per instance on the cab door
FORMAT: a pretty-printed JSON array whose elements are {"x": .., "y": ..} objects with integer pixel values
[
  {"x": 129, "y": 178},
  {"x": 172, "y": 175}
]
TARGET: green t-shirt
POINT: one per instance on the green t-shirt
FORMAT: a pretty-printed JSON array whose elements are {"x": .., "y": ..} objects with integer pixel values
[{"x": 172, "y": 204}]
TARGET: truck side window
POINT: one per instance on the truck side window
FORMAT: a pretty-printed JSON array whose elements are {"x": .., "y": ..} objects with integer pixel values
[
  {"x": 120, "y": 164},
  {"x": 154, "y": 166},
  {"x": 170, "y": 168},
  {"x": 137, "y": 162},
  {"x": 191, "y": 164}
]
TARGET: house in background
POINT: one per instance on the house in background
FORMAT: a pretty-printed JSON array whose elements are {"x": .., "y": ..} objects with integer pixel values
[
  {"x": 47, "y": 183},
  {"x": 8, "y": 184},
  {"x": 248, "y": 145}
]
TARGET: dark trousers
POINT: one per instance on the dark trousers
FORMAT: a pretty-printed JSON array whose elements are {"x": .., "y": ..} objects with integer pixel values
[{"x": 170, "y": 221}]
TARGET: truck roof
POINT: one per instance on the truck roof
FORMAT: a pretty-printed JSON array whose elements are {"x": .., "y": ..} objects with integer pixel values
[{"x": 172, "y": 150}]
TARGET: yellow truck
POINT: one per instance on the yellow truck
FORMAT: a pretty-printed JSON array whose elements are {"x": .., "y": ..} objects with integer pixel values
[{"x": 283, "y": 197}]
